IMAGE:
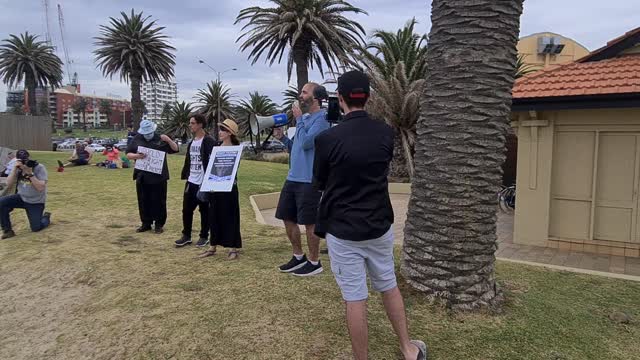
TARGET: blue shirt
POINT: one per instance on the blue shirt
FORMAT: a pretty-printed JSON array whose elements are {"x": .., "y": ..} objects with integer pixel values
[{"x": 302, "y": 149}]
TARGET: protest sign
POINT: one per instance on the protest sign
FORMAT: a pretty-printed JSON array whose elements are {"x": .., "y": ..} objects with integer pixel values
[
  {"x": 153, "y": 162},
  {"x": 222, "y": 168}
]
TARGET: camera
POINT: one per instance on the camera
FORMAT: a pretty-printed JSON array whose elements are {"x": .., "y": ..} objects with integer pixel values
[
  {"x": 29, "y": 163},
  {"x": 334, "y": 114}
]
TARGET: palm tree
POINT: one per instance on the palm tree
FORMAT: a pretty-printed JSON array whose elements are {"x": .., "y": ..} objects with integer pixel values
[
  {"x": 208, "y": 100},
  {"x": 105, "y": 108},
  {"x": 177, "y": 124},
  {"x": 522, "y": 68},
  {"x": 166, "y": 111},
  {"x": 255, "y": 104},
  {"x": 396, "y": 64},
  {"x": 290, "y": 95},
  {"x": 387, "y": 49},
  {"x": 396, "y": 99},
  {"x": 450, "y": 233},
  {"x": 315, "y": 32},
  {"x": 80, "y": 107},
  {"x": 26, "y": 59},
  {"x": 134, "y": 47}
]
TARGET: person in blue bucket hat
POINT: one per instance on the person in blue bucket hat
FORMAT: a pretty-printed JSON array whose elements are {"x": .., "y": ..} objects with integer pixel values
[{"x": 151, "y": 187}]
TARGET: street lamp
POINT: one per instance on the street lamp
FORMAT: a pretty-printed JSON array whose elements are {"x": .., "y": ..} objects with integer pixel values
[{"x": 220, "y": 89}]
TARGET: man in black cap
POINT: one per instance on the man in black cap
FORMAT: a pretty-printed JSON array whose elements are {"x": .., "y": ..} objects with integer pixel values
[
  {"x": 355, "y": 215},
  {"x": 31, "y": 179}
]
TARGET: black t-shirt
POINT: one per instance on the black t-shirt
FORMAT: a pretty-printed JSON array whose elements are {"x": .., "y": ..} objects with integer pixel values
[
  {"x": 155, "y": 144},
  {"x": 351, "y": 166}
]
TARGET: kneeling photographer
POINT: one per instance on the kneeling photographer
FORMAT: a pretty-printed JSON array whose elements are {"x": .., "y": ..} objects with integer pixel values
[{"x": 31, "y": 179}]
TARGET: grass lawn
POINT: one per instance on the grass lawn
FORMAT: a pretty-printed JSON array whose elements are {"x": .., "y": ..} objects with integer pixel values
[{"x": 89, "y": 287}]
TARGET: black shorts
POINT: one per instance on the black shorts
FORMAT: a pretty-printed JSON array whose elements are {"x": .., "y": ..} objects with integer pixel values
[{"x": 298, "y": 203}]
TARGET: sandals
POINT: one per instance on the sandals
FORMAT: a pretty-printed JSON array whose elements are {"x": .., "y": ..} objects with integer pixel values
[
  {"x": 422, "y": 349},
  {"x": 207, "y": 253},
  {"x": 233, "y": 255}
]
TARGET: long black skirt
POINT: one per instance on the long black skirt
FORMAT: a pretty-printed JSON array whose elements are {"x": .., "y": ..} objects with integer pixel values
[{"x": 224, "y": 219}]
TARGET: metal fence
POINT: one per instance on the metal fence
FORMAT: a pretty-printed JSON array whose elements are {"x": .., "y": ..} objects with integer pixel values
[{"x": 25, "y": 132}]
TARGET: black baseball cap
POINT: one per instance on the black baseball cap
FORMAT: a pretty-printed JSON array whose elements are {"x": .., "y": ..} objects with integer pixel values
[
  {"x": 22, "y": 154},
  {"x": 354, "y": 84}
]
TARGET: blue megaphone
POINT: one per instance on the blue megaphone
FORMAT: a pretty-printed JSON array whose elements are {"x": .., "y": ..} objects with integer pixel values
[{"x": 259, "y": 123}]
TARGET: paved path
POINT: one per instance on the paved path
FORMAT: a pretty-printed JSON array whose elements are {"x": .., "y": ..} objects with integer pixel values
[{"x": 607, "y": 265}]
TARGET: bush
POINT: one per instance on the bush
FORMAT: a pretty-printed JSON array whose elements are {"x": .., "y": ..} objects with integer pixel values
[{"x": 280, "y": 158}]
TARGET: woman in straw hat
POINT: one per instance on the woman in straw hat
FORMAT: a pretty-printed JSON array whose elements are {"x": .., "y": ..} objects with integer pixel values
[{"x": 224, "y": 207}]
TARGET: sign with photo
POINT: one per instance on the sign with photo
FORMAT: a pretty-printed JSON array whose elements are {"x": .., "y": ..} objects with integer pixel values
[
  {"x": 222, "y": 169},
  {"x": 153, "y": 162}
]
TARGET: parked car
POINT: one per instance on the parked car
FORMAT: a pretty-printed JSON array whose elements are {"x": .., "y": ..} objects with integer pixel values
[
  {"x": 121, "y": 145},
  {"x": 66, "y": 146},
  {"x": 274, "y": 146},
  {"x": 96, "y": 147}
]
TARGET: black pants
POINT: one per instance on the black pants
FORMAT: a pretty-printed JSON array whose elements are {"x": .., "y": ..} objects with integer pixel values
[
  {"x": 152, "y": 203},
  {"x": 189, "y": 203}
]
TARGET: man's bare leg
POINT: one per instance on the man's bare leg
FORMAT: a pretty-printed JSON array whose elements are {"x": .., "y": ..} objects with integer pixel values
[
  {"x": 313, "y": 242},
  {"x": 394, "y": 305},
  {"x": 358, "y": 331},
  {"x": 293, "y": 233}
]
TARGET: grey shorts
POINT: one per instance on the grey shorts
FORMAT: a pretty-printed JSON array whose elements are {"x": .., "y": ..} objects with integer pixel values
[{"x": 351, "y": 261}]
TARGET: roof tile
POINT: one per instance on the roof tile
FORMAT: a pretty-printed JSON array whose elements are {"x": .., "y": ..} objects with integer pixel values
[{"x": 611, "y": 76}]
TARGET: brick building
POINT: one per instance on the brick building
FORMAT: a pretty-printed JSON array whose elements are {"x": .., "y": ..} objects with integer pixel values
[{"x": 61, "y": 103}]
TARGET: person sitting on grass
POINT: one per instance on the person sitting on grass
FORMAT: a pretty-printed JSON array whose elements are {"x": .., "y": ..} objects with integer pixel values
[
  {"x": 31, "y": 179},
  {"x": 9, "y": 166},
  {"x": 112, "y": 155},
  {"x": 79, "y": 157}
]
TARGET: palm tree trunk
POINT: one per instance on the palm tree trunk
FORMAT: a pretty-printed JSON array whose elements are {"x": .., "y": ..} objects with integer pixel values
[
  {"x": 136, "y": 102},
  {"x": 450, "y": 234},
  {"x": 398, "y": 169},
  {"x": 84, "y": 121},
  {"x": 300, "y": 58},
  {"x": 30, "y": 83}
]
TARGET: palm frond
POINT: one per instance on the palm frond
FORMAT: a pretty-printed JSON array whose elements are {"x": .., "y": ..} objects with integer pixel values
[{"x": 318, "y": 30}]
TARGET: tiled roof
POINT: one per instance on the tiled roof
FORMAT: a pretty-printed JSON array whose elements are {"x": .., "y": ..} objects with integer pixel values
[{"x": 618, "y": 75}]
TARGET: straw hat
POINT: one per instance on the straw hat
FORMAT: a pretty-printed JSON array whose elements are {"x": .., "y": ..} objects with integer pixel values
[{"x": 229, "y": 125}]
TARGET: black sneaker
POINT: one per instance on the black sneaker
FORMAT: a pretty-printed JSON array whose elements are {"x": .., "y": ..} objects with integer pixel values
[
  {"x": 184, "y": 240},
  {"x": 159, "y": 230},
  {"x": 309, "y": 269},
  {"x": 202, "y": 242},
  {"x": 143, "y": 228},
  {"x": 8, "y": 234},
  {"x": 293, "y": 264}
]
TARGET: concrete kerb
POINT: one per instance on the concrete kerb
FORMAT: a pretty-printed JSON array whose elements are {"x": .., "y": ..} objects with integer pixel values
[
  {"x": 260, "y": 202},
  {"x": 263, "y": 202}
]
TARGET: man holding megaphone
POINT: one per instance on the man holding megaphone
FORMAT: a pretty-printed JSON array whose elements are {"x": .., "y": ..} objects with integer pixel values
[{"x": 298, "y": 203}]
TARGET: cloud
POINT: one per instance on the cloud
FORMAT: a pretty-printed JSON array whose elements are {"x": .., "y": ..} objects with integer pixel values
[{"x": 202, "y": 29}]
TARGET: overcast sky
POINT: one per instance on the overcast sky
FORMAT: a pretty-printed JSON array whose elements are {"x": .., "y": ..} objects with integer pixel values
[{"x": 204, "y": 29}]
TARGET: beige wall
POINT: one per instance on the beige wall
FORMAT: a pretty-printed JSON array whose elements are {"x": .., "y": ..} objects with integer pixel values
[
  {"x": 528, "y": 46},
  {"x": 578, "y": 181}
]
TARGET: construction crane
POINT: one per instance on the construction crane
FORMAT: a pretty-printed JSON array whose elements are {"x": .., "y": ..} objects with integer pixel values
[
  {"x": 68, "y": 62},
  {"x": 48, "y": 37}
]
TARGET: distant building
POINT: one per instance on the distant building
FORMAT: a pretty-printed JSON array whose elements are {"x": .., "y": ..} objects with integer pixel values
[
  {"x": 543, "y": 49},
  {"x": 155, "y": 95},
  {"x": 15, "y": 98},
  {"x": 20, "y": 98},
  {"x": 61, "y": 103}
]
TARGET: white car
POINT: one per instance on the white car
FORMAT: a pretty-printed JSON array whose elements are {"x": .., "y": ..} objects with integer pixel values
[
  {"x": 96, "y": 147},
  {"x": 66, "y": 146}
]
